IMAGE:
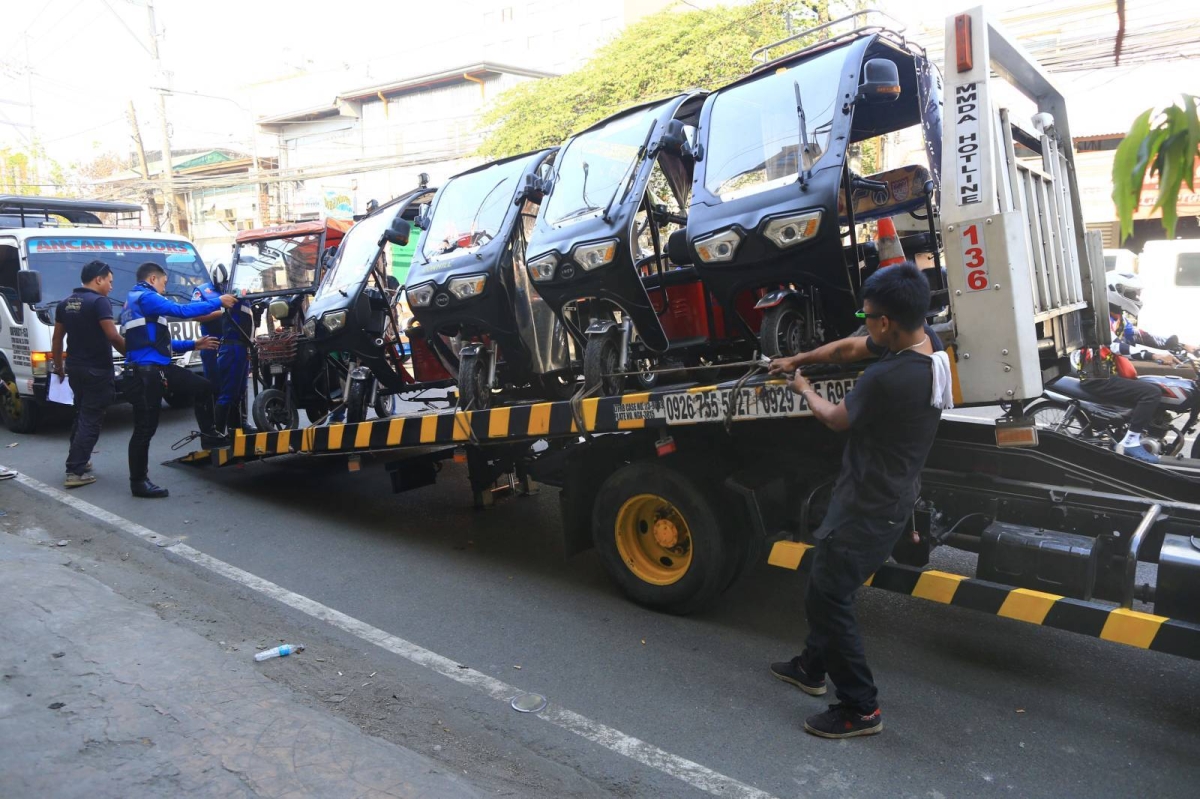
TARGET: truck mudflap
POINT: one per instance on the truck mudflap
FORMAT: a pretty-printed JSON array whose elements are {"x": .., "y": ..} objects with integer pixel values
[{"x": 1094, "y": 619}]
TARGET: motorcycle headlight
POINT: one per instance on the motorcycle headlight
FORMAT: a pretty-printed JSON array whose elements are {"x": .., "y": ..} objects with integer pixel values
[
  {"x": 470, "y": 286},
  {"x": 542, "y": 268},
  {"x": 787, "y": 231},
  {"x": 310, "y": 328},
  {"x": 420, "y": 296},
  {"x": 334, "y": 321},
  {"x": 591, "y": 256},
  {"x": 719, "y": 247}
]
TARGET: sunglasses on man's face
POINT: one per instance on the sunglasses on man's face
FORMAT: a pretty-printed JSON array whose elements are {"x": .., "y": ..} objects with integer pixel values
[{"x": 864, "y": 315}]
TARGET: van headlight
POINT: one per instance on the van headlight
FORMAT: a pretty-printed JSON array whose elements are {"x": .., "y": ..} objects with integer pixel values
[
  {"x": 591, "y": 256},
  {"x": 464, "y": 287},
  {"x": 334, "y": 321},
  {"x": 420, "y": 296},
  {"x": 719, "y": 247},
  {"x": 786, "y": 231},
  {"x": 542, "y": 268}
]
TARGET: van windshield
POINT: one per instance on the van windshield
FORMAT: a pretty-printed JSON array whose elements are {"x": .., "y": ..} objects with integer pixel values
[
  {"x": 59, "y": 260},
  {"x": 754, "y": 128},
  {"x": 285, "y": 264}
]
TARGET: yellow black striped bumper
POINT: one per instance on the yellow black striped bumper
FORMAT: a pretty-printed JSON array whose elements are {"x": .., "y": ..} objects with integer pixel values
[
  {"x": 1131, "y": 627},
  {"x": 663, "y": 408}
]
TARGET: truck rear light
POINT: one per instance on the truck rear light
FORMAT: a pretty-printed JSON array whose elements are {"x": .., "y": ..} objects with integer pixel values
[{"x": 1017, "y": 433}]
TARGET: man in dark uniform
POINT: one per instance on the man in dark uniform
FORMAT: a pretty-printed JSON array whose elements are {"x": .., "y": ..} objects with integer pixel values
[
  {"x": 148, "y": 368},
  {"x": 891, "y": 416},
  {"x": 85, "y": 320}
]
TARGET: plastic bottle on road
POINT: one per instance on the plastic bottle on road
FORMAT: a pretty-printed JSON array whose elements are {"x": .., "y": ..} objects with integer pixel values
[{"x": 278, "y": 652}]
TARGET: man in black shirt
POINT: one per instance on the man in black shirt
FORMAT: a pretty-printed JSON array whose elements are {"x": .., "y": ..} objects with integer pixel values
[
  {"x": 85, "y": 319},
  {"x": 891, "y": 416}
]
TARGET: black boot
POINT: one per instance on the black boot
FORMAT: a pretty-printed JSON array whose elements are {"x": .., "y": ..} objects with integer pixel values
[
  {"x": 221, "y": 419},
  {"x": 147, "y": 490}
]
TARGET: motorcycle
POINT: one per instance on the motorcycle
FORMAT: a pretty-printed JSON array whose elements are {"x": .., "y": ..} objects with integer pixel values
[
  {"x": 469, "y": 290},
  {"x": 1067, "y": 408}
]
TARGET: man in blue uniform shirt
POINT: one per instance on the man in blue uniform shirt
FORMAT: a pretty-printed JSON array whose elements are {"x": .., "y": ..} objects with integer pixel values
[
  {"x": 148, "y": 368},
  {"x": 226, "y": 367}
]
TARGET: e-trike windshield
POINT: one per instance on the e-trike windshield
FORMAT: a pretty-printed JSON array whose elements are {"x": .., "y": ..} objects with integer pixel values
[
  {"x": 283, "y": 265},
  {"x": 471, "y": 208}
]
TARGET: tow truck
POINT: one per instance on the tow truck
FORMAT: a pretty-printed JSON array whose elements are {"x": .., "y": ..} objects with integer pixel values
[{"x": 683, "y": 488}]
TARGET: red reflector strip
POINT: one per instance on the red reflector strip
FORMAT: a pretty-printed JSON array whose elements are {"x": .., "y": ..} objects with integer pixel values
[{"x": 962, "y": 43}]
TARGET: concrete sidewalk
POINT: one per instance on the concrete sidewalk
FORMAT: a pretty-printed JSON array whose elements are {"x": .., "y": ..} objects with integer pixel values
[{"x": 99, "y": 697}]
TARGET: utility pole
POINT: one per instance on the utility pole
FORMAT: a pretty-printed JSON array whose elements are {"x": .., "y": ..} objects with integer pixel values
[
  {"x": 174, "y": 212},
  {"x": 141, "y": 151}
]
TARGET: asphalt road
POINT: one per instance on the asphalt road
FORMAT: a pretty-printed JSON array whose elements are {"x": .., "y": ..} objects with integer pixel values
[{"x": 974, "y": 705}]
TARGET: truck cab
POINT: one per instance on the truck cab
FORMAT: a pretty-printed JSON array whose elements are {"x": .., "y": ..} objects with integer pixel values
[{"x": 44, "y": 242}]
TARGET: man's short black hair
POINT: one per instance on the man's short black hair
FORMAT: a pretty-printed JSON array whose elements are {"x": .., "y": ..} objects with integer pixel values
[
  {"x": 92, "y": 270},
  {"x": 901, "y": 293},
  {"x": 149, "y": 269}
]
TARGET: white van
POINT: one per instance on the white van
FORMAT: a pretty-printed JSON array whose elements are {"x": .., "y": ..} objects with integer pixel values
[
  {"x": 1170, "y": 273},
  {"x": 44, "y": 243}
]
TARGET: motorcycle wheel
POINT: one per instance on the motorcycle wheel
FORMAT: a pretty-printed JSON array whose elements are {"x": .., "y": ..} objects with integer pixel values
[
  {"x": 356, "y": 400},
  {"x": 272, "y": 411},
  {"x": 600, "y": 360},
  {"x": 1060, "y": 418},
  {"x": 474, "y": 393},
  {"x": 783, "y": 330},
  {"x": 385, "y": 405}
]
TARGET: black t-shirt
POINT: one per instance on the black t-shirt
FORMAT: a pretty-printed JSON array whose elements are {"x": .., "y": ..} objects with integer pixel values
[
  {"x": 892, "y": 427},
  {"x": 81, "y": 314}
]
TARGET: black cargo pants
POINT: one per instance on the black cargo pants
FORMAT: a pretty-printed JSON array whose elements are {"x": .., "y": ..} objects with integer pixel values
[{"x": 93, "y": 389}]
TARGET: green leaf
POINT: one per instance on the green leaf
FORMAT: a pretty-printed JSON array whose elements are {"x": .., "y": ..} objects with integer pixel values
[
  {"x": 1129, "y": 172},
  {"x": 1193, "y": 145}
]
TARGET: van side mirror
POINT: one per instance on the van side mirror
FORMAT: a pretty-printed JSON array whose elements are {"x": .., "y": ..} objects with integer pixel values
[
  {"x": 398, "y": 233},
  {"x": 880, "y": 82},
  {"x": 677, "y": 249},
  {"x": 29, "y": 287}
]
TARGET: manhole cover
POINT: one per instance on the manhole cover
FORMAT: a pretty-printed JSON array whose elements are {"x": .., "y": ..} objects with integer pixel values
[{"x": 529, "y": 703}]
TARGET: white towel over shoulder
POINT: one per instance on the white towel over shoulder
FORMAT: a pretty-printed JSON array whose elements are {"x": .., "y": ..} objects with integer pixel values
[{"x": 942, "y": 395}]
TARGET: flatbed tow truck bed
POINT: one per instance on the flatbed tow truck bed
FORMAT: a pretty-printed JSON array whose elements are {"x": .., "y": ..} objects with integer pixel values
[{"x": 1067, "y": 491}]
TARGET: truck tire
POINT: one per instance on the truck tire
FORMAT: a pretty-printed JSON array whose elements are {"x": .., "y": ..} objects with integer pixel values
[
  {"x": 19, "y": 414},
  {"x": 660, "y": 538}
]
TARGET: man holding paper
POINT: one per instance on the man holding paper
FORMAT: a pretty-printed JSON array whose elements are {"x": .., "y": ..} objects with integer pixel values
[{"x": 85, "y": 319}]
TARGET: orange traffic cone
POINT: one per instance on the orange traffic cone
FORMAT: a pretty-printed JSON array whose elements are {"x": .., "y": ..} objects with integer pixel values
[{"x": 888, "y": 243}]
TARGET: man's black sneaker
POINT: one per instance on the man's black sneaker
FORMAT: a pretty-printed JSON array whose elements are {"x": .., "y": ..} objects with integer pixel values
[
  {"x": 791, "y": 671},
  {"x": 214, "y": 440},
  {"x": 844, "y": 722},
  {"x": 147, "y": 490}
]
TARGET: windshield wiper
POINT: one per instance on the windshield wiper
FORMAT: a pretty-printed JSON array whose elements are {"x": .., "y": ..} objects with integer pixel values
[
  {"x": 637, "y": 159},
  {"x": 587, "y": 209},
  {"x": 803, "y": 171}
]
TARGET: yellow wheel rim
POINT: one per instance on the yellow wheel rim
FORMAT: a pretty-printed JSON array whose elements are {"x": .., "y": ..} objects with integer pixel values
[{"x": 653, "y": 539}]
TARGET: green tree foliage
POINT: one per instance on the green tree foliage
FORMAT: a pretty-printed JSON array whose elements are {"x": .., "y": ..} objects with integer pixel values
[
  {"x": 660, "y": 55},
  {"x": 1167, "y": 144}
]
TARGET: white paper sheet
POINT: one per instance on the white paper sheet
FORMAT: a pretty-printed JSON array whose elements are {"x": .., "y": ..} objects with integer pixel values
[{"x": 60, "y": 390}]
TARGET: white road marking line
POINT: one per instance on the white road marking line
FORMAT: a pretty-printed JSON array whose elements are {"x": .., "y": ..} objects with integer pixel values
[{"x": 694, "y": 774}]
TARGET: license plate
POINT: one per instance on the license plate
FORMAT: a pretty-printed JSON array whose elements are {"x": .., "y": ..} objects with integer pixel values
[
  {"x": 756, "y": 402},
  {"x": 276, "y": 368}
]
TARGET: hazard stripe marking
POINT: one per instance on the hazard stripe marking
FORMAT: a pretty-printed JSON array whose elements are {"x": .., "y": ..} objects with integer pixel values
[
  {"x": 1095, "y": 620},
  {"x": 498, "y": 423},
  {"x": 362, "y": 435}
]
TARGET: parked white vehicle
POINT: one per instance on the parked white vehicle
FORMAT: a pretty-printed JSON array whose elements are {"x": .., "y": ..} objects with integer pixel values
[
  {"x": 1170, "y": 273},
  {"x": 44, "y": 243},
  {"x": 1124, "y": 261}
]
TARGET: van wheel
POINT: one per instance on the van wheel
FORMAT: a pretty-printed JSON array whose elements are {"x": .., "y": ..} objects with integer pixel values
[
  {"x": 659, "y": 537},
  {"x": 19, "y": 414}
]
